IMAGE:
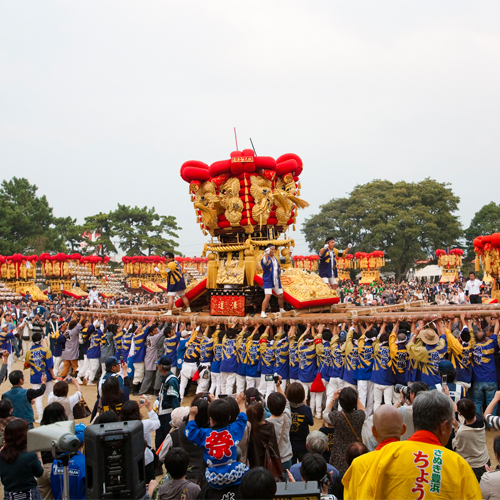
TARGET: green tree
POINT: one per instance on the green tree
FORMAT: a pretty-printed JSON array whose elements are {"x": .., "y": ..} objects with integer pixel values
[
  {"x": 486, "y": 221},
  {"x": 69, "y": 233},
  {"x": 407, "y": 220},
  {"x": 102, "y": 225},
  {"x": 142, "y": 231},
  {"x": 26, "y": 220}
]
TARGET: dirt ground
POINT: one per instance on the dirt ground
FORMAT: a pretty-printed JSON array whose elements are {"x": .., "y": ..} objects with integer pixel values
[{"x": 90, "y": 395}]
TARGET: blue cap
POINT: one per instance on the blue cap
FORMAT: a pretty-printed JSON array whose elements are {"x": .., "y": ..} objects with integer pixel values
[
  {"x": 342, "y": 336},
  {"x": 110, "y": 362},
  {"x": 164, "y": 360},
  {"x": 80, "y": 432},
  {"x": 445, "y": 366}
]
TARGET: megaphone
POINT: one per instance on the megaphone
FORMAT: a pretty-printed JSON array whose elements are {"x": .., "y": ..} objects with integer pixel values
[{"x": 60, "y": 434}]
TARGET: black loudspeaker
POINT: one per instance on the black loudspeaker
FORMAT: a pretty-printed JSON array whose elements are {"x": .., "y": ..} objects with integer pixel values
[
  {"x": 301, "y": 490},
  {"x": 114, "y": 460}
]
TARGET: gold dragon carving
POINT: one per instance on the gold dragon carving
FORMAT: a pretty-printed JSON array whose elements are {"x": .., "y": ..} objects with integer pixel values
[
  {"x": 285, "y": 198},
  {"x": 230, "y": 200},
  {"x": 207, "y": 201},
  {"x": 262, "y": 193}
]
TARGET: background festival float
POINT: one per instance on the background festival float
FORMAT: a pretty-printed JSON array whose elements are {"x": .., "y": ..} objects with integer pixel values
[{"x": 487, "y": 249}]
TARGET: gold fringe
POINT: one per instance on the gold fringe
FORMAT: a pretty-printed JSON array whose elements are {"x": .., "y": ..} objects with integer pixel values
[{"x": 212, "y": 274}]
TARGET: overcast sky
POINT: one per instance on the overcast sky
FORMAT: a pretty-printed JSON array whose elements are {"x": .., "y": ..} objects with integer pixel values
[{"x": 102, "y": 101}]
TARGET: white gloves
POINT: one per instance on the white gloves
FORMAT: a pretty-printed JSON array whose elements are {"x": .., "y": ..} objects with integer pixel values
[
  {"x": 267, "y": 251},
  {"x": 157, "y": 269},
  {"x": 349, "y": 245},
  {"x": 326, "y": 246}
]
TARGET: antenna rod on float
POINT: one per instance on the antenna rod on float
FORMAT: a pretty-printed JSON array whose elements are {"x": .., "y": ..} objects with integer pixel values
[
  {"x": 253, "y": 146},
  {"x": 236, "y": 139}
]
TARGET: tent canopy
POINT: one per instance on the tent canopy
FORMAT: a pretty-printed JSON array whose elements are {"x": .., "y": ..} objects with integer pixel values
[{"x": 428, "y": 271}]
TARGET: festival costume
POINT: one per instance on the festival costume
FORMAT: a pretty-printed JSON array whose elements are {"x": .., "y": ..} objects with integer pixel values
[
  {"x": 215, "y": 369},
  {"x": 240, "y": 365},
  {"x": 266, "y": 365},
  {"x": 175, "y": 279},
  {"x": 251, "y": 360},
  {"x": 400, "y": 364},
  {"x": 96, "y": 338},
  {"x": 58, "y": 340},
  {"x": 206, "y": 358},
  {"x": 293, "y": 359},
  {"x": 364, "y": 372},
  {"x": 281, "y": 362},
  {"x": 351, "y": 360},
  {"x": 190, "y": 363},
  {"x": 220, "y": 451},
  {"x": 359, "y": 466},
  {"x": 39, "y": 361},
  {"x": 336, "y": 381},
  {"x": 383, "y": 357},
  {"x": 271, "y": 280},
  {"x": 418, "y": 469},
  {"x": 461, "y": 358},
  {"x": 484, "y": 373},
  {"x": 327, "y": 265},
  {"x": 170, "y": 347},
  {"x": 427, "y": 358},
  {"x": 309, "y": 350},
  {"x": 139, "y": 353},
  {"x": 228, "y": 365}
]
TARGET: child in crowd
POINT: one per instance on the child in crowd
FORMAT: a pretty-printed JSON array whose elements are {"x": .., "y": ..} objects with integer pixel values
[{"x": 220, "y": 441}]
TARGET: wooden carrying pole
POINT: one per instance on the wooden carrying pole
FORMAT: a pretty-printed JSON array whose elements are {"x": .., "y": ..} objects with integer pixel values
[{"x": 205, "y": 318}]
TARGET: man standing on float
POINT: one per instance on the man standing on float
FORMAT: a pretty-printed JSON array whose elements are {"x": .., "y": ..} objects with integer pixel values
[
  {"x": 271, "y": 279},
  {"x": 327, "y": 265},
  {"x": 175, "y": 283}
]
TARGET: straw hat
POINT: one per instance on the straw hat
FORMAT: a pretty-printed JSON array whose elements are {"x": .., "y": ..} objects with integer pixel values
[{"x": 428, "y": 336}]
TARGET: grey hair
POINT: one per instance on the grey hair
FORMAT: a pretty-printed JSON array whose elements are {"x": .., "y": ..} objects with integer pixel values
[
  {"x": 430, "y": 409},
  {"x": 317, "y": 442}
]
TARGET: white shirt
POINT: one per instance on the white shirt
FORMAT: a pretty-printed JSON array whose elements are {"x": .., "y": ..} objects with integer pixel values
[
  {"x": 473, "y": 287},
  {"x": 151, "y": 424}
]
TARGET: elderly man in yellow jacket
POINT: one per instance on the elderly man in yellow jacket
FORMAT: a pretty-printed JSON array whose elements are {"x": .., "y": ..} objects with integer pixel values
[
  {"x": 388, "y": 427},
  {"x": 422, "y": 468}
]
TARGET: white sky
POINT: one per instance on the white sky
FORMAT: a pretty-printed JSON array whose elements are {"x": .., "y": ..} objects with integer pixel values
[{"x": 102, "y": 101}]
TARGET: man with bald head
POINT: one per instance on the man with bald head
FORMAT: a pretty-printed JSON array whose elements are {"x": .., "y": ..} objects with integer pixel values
[{"x": 388, "y": 427}]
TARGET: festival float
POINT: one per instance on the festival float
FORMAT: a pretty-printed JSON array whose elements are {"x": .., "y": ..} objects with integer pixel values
[
  {"x": 370, "y": 265},
  {"x": 344, "y": 266},
  {"x": 487, "y": 249},
  {"x": 59, "y": 271},
  {"x": 307, "y": 262},
  {"x": 144, "y": 273},
  {"x": 450, "y": 263},
  {"x": 246, "y": 203},
  {"x": 18, "y": 274}
]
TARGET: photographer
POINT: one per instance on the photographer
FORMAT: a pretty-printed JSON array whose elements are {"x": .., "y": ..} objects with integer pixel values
[{"x": 408, "y": 394}]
